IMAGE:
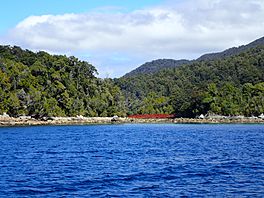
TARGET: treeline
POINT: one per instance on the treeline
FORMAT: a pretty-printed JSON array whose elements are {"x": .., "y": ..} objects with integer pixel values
[
  {"x": 157, "y": 65},
  {"x": 237, "y": 82},
  {"x": 42, "y": 85},
  {"x": 247, "y": 100},
  {"x": 39, "y": 84}
]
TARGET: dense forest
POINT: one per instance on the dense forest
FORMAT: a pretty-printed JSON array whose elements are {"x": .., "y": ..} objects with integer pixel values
[
  {"x": 43, "y": 85},
  {"x": 39, "y": 84},
  {"x": 228, "y": 86}
]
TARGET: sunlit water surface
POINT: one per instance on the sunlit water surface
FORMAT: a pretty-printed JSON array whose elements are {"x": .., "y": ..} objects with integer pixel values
[{"x": 144, "y": 160}]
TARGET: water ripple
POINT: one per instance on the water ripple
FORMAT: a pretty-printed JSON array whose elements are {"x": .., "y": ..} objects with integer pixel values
[{"x": 132, "y": 161}]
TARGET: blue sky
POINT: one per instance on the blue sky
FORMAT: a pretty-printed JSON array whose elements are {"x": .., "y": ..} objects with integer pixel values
[
  {"x": 119, "y": 35},
  {"x": 13, "y": 11}
]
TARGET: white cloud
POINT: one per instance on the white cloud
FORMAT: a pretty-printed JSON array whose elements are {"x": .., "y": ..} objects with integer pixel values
[{"x": 172, "y": 30}]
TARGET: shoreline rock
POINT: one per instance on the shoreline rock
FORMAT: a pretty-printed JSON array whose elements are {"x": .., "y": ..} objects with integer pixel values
[{"x": 80, "y": 120}]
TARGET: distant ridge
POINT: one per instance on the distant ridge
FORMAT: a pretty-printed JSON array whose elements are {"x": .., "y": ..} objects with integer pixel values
[
  {"x": 157, "y": 65},
  {"x": 232, "y": 51}
]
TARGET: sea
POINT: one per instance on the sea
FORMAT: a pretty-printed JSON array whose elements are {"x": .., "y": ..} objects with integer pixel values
[{"x": 133, "y": 160}]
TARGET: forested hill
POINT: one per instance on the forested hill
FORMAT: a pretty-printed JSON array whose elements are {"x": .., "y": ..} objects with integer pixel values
[
  {"x": 43, "y": 85},
  {"x": 232, "y": 51},
  {"x": 157, "y": 65},
  {"x": 229, "y": 86},
  {"x": 40, "y": 84}
]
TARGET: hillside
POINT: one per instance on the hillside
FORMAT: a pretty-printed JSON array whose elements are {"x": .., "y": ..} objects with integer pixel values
[
  {"x": 157, "y": 65},
  {"x": 231, "y": 51},
  {"x": 43, "y": 85},
  {"x": 233, "y": 85},
  {"x": 40, "y": 84}
]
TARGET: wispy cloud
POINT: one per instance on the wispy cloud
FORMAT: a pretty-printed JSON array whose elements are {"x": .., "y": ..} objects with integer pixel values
[{"x": 172, "y": 30}]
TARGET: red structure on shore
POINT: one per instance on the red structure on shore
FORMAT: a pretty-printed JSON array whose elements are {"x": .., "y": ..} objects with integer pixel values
[{"x": 152, "y": 116}]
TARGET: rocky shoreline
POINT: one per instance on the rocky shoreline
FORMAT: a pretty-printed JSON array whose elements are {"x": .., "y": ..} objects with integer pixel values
[{"x": 79, "y": 120}]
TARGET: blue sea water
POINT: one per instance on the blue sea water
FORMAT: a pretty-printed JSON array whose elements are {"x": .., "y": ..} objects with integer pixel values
[{"x": 140, "y": 160}]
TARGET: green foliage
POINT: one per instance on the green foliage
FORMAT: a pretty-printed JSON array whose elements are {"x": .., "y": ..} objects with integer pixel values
[
  {"x": 228, "y": 86},
  {"x": 229, "y": 100},
  {"x": 39, "y": 84},
  {"x": 157, "y": 65}
]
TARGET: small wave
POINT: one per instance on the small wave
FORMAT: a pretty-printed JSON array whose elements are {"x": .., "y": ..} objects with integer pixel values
[
  {"x": 145, "y": 188},
  {"x": 30, "y": 192}
]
